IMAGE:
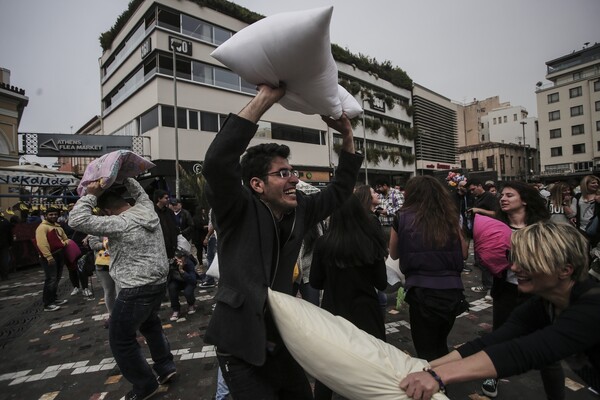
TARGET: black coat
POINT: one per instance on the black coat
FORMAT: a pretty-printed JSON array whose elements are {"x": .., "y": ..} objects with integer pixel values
[{"x": 251, "y": 258}]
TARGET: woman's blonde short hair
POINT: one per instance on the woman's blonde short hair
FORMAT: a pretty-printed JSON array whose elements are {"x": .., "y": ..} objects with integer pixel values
[{"x": 546, "y": 247}]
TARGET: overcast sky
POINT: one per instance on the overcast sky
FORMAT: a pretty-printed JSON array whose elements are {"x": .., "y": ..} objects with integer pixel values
[{"x": 461, "y": 49}]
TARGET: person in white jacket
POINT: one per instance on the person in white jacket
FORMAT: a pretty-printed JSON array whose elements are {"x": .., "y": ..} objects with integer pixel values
[{"x": 139, "y": 267}]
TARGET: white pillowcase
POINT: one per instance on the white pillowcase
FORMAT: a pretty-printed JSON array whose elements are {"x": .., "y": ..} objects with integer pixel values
[
  {"x": 294, "y": 48},
  {"x": 348, "y": 360}
]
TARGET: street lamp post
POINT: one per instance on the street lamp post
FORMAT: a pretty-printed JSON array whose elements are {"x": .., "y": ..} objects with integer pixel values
[
  {"x": 174, "y": 44},
  {"x": 365, "y": 142},
  {"x": 523, "y": 123}
]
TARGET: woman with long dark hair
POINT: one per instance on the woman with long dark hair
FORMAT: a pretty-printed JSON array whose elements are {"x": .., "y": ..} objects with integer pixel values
[
  {"x": 521, "y": 205},
  {"x": 349, "y": 265},
  {"x": 429, "y": 243}
]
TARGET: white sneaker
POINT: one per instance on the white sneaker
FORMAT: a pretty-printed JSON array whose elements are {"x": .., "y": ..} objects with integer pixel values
[
  {"x": 175, "y": 316},
  {"x": 75, "y": 291},
  {"x": 87, "y": 293}
]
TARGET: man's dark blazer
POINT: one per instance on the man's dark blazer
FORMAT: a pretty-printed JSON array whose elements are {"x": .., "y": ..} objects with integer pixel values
[{"x": 248, "y": 244}]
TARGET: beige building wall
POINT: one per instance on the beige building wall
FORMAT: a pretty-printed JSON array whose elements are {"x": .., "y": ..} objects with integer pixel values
[{"x": 570, "y": 143}]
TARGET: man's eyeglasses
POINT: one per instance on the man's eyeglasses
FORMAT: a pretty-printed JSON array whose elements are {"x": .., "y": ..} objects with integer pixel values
[{"x": 284, "y": 173}]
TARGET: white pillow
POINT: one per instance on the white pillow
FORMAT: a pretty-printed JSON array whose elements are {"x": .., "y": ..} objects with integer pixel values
[
  {"x": 213, "y": 268},
  {"x": 294, "y": 48},
  {"x": 348, "y": 360}
]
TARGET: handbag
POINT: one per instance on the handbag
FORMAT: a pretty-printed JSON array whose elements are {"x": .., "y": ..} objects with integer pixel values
[
  {"x": 72, "y": 254},
  {"x": 592, "y": 227}
]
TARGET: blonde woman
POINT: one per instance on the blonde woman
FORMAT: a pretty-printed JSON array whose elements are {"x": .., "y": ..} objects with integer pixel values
[
  {"x": 586, "y": 205},
  {"x": 559, "y": 322},
  {"x": 560, "y": 204}
]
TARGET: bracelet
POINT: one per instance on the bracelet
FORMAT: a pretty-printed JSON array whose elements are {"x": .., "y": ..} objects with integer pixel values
[{"x": 437, "y": 378}]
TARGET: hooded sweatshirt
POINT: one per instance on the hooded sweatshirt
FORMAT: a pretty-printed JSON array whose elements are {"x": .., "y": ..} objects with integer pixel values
[{"x": 137, "y": 249}]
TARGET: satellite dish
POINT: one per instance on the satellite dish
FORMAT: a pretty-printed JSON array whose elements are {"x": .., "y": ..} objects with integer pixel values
[{"x": 539, "y": 84}]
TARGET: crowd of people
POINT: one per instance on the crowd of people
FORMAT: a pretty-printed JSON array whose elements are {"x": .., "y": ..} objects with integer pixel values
[{"x": 330, "y": 249}]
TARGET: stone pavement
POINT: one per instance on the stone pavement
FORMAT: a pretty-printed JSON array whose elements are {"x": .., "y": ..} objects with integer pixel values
[{"x": 65, "y": 354}]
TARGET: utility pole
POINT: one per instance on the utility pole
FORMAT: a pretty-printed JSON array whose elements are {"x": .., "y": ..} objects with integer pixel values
[{"x": 523, "y": 123}]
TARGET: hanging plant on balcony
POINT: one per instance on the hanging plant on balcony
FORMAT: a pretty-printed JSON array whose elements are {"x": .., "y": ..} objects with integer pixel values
[
  {"x": 373, "y": 156},
  {"x": 355, "y": 88},
  {"x": 409, "y": 133},
  {"x": 389, "y": 102},
  {"x": 391, "y": 130},
  {"x": 345, "y": 84},
  {"x": 394, "y": 157},
  {"x": 384, "y": 154},
  {"x": 407, "y": 158},
  {"x": 410, "y": 110}
]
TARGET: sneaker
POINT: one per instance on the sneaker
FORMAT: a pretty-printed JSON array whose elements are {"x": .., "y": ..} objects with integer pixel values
[
  {"x": 479, "y": 289},
  {"x": 207, "y": 285},
  {"x": 488, "y": 296},
  {"x": 489, "y": 387},
  {"x": 175, "y": 316},
  {"x": 467, "y": 270},
  {"x": 191, "y": 309},
  {"x": 166, "y": 378},
  {"x": 135, "y": 396},
  {"x": 75, "y": 291},
  {"x": 88, "y": 293},
  {"x": 60, "y": 302},
  {"x": 51, "y": 307}
]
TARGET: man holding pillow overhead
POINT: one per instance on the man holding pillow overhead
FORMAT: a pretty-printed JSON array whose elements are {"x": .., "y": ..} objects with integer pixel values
[{"x": 261, "y": 225}]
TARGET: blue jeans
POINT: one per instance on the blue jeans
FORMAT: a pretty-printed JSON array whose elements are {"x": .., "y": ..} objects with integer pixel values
[
  {"x": 188, "y": 292},
  {"x": 53, "y": 274},
  {"x": 280, "y": 377},
  {"x": 137, "y": 309},
  {"x": 222, "y": 389}
]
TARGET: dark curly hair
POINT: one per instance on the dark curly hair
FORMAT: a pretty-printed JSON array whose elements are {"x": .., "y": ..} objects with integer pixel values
[
  {"x": 535, "y": 208},
  {"x": 257, "y": 160}
]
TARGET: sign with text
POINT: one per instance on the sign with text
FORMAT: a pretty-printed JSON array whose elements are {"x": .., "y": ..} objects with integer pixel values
[
  {"x": 181, "y": 46},
  {"x": 61, "y": 145}
]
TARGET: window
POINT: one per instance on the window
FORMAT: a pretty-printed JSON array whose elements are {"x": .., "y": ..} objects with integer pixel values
[
  {"x": 499, "y": 120},
  {"x": 463, "y": 163},
  {"x": 554, "y": 115},
  {"x": 475, "y": 162},
  {"x": 490, "y": 162},
  {"x": 193, "y": 119},
  {"x": 577, "y": 110},
  {"x": 511, "y": 161},
  {"x": 203, "y": 30},
  {"x": 555, "y": 151},
  {"x": 168, "y": 20},
  {"x": 502, "y": 164},
  {"x": 494, "y": 121},
  {"x": 579, "y": 148},
  {"x": 295, "y": 134},
  {"x": 553, "y": 98},
  {"x": 597, "y": 106},
  {"x": 227, "y": 79},
  {"x": 583, "y": 166},
  {"x": 577, "y": 75},
  {"x": 577, "y": 130},
  {"x": 505, "y": 119},
  {"x": 149, "y": 120},
  {"x": 209, "y": 122},
  {"x": 167, "y": 113},
  {"x": 483, "y": 138},
  {"x": 597, "y": 126},
  {"x": 598, "y": 146},
  {"x": 514, "y": 117},
  {"x": 555, "y": 133},
  {"x": 575, "y": 92},
  {"x": 597, "y": 86},
  {"x": 202, "y": 73}
]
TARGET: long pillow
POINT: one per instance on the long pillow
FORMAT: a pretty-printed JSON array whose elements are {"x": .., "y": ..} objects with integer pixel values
[
  {"x": 294, "y": 48},
  {"x": 491, "y": 239},
  {"x": 348, "y": 360}
]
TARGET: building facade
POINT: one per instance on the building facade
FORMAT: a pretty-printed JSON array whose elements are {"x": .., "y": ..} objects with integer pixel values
[
  {"x": 569, "y": 115},
  {"x": 12, "y": 104},
  {"x": 497, "y": 140},
  {"x": 436, "y": 138},
  {"x": 138, "y": 98}
]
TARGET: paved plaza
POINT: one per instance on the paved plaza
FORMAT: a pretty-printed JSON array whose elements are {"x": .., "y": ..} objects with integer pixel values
[{"x": 64, "y": 355}]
